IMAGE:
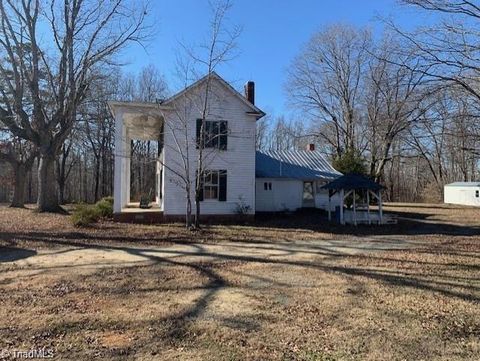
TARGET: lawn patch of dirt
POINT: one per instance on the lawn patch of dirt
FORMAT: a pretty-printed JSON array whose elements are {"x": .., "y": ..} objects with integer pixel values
[{"x": 241, "y": 292}]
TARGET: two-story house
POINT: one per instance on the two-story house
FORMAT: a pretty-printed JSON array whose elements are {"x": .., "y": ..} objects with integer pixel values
[{"x": 228, "y": 149}]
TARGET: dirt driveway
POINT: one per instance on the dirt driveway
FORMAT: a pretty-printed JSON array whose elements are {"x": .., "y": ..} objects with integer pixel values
[{"x": 93, "y": 257}]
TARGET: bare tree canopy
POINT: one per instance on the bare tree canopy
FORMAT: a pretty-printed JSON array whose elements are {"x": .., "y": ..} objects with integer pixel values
[
  {"x": 325, "y": 80},
  {"x": 46, "y": 78},
  {"x": 448, "y": 49}
]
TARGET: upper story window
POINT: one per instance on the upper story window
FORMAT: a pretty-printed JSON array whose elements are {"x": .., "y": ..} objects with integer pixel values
[
  {"x": 215, "y": 133},
  {"x": 267, "y": 186},
  {"x": 477, "y": 194}
]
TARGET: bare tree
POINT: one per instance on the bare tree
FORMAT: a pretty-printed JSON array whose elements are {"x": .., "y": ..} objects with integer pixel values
[
  {"x": 394, "y": 100},
  {"x": 450, "y": 47},
  {"x": 56, "y": 75},
  {"x": 20, "y": 155},
  {"x": 325, "y": 82},
  {"x": 204, "y": 59}
]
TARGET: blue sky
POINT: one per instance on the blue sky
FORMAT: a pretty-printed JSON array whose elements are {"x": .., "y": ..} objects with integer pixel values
[{"x": 273, "y": 34}]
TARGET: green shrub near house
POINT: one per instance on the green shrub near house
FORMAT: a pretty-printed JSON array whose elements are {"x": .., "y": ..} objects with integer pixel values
[
  {"x": 85, "y": 214},
  {"x": 105, "y": 207}
]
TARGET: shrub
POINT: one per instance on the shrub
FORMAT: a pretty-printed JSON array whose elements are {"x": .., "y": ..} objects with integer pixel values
[
  {"x": 85, "y": 214},
  {"x": 105, "y": 207},
  {"x": 242, "y": 207},
  {"x": 350, "y": 162}
]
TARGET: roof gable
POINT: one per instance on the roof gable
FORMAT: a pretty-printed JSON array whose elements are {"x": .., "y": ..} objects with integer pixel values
[{"x": 253, "y": 109}]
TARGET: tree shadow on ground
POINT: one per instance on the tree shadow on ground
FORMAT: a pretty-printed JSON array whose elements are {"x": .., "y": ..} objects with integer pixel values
[
  {"x": 317, "y": 220},
  {"x": 11, "y": 254},
  {"x": 176, "y": 327}
]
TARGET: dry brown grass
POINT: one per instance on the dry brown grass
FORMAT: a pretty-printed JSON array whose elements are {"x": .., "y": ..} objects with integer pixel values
[
  {"x": 444, "y": 213},
  {"x": 416, "y": 304}
]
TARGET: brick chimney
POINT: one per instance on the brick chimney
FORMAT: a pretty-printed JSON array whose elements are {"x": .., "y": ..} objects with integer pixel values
[
  {"x": 250, "y": 91},
  {"x": 311, "y": 147}
]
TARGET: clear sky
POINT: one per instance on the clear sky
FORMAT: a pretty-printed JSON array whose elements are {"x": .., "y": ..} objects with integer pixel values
[{"x": 273, "y": 34}]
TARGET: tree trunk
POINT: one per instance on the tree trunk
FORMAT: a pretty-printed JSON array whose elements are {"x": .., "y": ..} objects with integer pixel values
[
  {"x": 188, "y": 213},
  {"x": 97, "y": 179},
  {"x": 197, "y": 214},
  {"x": 47, "y": 193},
  {"x": 20, "y": 173},
  {"x": 61, "y": 191}
]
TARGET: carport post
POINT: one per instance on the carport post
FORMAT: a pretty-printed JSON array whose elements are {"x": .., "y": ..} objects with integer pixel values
[
  {"x": 329, "y": 206},
  {"x": 380, "y": 210},
  {"x": 342, "y": 193},
  {"x": 368, "y": 207},
  {"x": 354, "y": 209}
]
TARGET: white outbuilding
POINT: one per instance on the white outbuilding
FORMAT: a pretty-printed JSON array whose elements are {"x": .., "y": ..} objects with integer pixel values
[{"x": 465, "y": 193}]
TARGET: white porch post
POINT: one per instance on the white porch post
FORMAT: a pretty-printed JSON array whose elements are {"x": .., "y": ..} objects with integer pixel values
[
  {"x": 342, "y": 220},
  {"x": 354, "y": 209},
  {"x": 368, "y": 207},
  {"x": 380, "y": 210},
  {"x": 122, "y": 167},
  {"x": 126, "y": 169}
]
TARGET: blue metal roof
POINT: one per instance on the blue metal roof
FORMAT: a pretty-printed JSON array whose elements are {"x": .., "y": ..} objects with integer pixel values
[
  {"x": 293, "y": 164},
  {"x": 463, "y": 184},
  {"x": 353, "y": 181}
]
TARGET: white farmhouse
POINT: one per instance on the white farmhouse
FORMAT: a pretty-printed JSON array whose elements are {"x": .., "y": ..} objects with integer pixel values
[
  {"x": 465, "y": 193},
  {"x": 229, "y": 154}
]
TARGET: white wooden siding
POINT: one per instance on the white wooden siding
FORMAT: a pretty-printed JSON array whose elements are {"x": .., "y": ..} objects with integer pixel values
[
  {"x": 287, "y": 195},
  {"x": 238, "y": 160}
]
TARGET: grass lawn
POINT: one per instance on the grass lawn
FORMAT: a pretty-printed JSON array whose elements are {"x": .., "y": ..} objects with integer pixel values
[{"x": 292, "y": 288}]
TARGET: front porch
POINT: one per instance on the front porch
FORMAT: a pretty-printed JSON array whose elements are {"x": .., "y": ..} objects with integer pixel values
[
  {"x": 132, "y": 213},
  {"x": 144, "y": 122}
]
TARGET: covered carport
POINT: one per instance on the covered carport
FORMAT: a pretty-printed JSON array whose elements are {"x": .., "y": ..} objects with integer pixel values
[{"x": 356, "y": 185}]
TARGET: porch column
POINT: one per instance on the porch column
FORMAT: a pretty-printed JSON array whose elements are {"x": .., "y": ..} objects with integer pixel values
[
  {"x": 121, "y": 185},
  {"x": 126, "y": 169}
]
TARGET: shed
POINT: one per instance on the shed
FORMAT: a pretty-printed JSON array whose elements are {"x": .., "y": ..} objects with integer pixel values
[
  {"x": 356, "y": 184},
  {"x": 292, "y": 179},
  {"x": 464, "y": 193}
]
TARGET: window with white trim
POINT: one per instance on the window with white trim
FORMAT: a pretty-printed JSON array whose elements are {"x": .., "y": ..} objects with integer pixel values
[
  {"x": 214, "y": 185},
  {"x": 215, "y": 134},
  {"x": 211, "y": 185}
]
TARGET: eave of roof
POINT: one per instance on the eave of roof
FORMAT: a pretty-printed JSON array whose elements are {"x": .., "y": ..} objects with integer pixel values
[{"x": 113, "y": 105}]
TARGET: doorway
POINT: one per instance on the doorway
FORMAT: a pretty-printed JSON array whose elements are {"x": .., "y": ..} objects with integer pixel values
[{"x": 308, "y": 200}]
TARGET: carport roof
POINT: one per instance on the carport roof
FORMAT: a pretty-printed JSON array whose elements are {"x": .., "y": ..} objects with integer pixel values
[
  {"x": 293, "y": 164},
  {"x": 353, "y": 181}
]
